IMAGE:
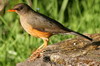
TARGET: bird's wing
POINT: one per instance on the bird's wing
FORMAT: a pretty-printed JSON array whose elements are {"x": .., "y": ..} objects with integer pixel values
[{"x": 46, "y": 24}]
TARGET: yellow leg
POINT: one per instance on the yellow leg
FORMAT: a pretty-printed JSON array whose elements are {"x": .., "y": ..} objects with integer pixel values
[
  {"x": 39, "y": 50},
  {"x": 44, "y": 44}
]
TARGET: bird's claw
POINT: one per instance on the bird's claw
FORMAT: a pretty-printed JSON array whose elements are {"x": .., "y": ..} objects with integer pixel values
[{"x": 35, "y": 55}]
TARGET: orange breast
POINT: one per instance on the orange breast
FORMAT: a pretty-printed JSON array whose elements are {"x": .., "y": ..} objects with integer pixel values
[{"x": 38, "y": 33}]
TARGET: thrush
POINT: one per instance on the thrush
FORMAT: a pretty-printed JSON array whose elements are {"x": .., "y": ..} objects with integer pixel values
[{"x": 41, "y": 26}]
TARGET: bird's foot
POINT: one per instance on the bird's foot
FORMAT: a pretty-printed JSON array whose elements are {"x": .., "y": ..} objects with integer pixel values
[{"x": 35, "y": 55}]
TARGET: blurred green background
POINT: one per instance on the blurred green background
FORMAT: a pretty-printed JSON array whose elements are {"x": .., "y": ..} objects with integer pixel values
[{"x": 16, "y": 45}]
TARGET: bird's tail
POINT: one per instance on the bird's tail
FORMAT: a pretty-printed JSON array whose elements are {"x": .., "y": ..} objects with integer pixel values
[{"x": 76, "y": 33}]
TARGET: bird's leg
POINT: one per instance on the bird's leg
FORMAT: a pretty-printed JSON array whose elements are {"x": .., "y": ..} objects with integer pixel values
[
  {"x": 39, "y": 50},
  {"x": 44, "y": 45}
]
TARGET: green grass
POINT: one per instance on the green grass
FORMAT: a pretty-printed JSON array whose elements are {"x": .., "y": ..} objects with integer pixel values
[{"x": 16, "y": 45}]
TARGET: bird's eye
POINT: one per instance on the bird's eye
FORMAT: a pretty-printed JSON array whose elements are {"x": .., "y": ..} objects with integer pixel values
[{"x": 20, "y": 8}]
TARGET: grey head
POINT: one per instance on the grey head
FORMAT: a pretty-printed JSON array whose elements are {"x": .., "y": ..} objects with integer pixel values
[{"x": 22, "y": 8}]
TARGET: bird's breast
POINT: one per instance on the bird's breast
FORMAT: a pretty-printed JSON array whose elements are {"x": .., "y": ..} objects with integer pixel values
[{"x": 32, "y": 31}]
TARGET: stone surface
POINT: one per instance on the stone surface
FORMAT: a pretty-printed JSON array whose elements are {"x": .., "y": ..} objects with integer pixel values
[{"x": 71, "y": 52}]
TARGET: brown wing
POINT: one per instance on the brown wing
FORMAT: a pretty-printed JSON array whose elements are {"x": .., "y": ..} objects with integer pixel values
[{"x": 46, "y": 24}]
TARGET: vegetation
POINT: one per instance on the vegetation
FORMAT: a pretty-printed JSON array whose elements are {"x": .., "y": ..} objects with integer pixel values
[{"x": 16, "y": 45}]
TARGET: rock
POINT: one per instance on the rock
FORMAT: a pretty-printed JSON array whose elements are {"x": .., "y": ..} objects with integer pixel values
[{"x": 71, "y": 52}]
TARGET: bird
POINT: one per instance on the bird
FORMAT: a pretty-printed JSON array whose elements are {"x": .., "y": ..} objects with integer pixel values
[{"x": 41, "y": 26}]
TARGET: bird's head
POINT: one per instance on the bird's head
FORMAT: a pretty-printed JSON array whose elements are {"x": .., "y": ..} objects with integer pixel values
[{"x": 20, "y": 8}]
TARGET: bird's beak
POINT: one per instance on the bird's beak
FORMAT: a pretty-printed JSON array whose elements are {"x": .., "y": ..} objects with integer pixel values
[{"x": 11, "y": 10}]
